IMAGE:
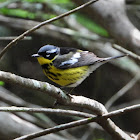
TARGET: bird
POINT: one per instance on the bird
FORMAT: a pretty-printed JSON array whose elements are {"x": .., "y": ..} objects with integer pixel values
[{"x": 69, "y": 67}]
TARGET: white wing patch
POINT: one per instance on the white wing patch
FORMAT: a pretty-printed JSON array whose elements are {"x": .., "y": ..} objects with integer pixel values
[{"x": 71, "y": 61}]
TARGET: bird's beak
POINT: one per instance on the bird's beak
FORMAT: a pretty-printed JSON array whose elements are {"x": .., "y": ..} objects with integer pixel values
[{"x": 35, "y": 55}]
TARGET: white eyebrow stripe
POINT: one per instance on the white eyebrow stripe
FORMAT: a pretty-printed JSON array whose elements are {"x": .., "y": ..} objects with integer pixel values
[
  {"x": 73, "y": 59},
  {"x": 52, "y": 50}
]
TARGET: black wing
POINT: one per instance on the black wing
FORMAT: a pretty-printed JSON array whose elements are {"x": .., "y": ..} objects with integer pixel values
[
  {"x": 75, "y": 58},
  {"x": 66, "y": 50}
]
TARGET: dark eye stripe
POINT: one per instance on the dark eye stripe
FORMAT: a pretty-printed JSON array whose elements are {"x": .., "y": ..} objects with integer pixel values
[{"x": 51, "y": 56}]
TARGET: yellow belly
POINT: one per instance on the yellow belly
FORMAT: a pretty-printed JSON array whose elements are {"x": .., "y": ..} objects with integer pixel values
[{"x": 66, "y": 77}]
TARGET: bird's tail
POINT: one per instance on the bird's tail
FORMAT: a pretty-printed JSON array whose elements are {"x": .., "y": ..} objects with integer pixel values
[
  {"x": 113, "y": 57},
  {"x": 102, "y": 61}
]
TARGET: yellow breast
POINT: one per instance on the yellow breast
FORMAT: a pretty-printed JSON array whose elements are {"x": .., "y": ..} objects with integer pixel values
[{"x": 64, "y": 77}]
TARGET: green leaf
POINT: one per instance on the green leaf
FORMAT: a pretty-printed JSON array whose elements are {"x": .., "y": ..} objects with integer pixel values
[
  {"x": 2, "y": 1},
  {"x": 58, "y": 1},
  {"x": 17, "y": 12},
  {"x": 25, "y": 14},
  {"x": 91, "y": 25},
  {"x": 2, "y": 83},
  {"x": 50, "y": 1}
]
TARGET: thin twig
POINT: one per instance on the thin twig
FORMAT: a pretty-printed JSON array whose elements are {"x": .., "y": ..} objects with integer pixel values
[
  {"x": 55, "y": 129},
  {"x": 13, "y": 37},
  {"x": 54, "y": 31},
  {"x": 42, "y": 24},
  {"x": 46, "y": 110},
  {"x": 78, "y": 123},
  {"x": 122, "y": 91},
  {"x": 121, "y": 49},
  {"x": 122, "y": 111}
]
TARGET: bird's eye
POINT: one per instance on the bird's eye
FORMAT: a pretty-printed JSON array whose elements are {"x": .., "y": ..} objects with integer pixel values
[
  {"x": 42, "y": 54},
  {"x": 49, "y": 54}
]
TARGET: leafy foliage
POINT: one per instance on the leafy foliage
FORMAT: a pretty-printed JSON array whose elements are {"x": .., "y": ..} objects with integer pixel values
[
  {"x": 91, "y": 25},
  {"x": 25, "y": 14},
  {"x": 50, "y": 1},
  {"x": 17, "y": 13},
  {"x": 2, "y": 83},
  {"x": 43, "y": 14}
]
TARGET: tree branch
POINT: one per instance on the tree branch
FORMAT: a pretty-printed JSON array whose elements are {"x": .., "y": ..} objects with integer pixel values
[
  {"x": 122, "y": 91},
  {"x": 34, "y": 84},
  {"x": 121, "y": 49},
  {"x": 42, "y": 24},
  {"x": 79, "y": 101},
  {"x": 76, "y": 123},
  {"x": 55, "y": 129},
  {"x": 112, "y": 15},
  {"x": 54, "y": 31},
  {"x": 46, "y": 110},
  {"x": 13, "y": 37}
]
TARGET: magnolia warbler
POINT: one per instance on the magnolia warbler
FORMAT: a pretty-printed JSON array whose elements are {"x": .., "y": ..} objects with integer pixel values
[{"x": 68, "y": 67}]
